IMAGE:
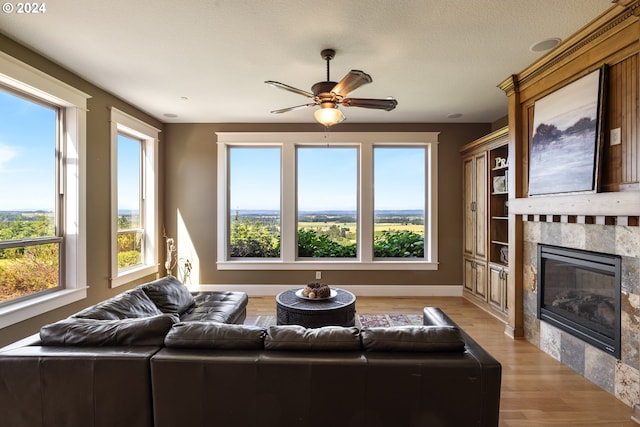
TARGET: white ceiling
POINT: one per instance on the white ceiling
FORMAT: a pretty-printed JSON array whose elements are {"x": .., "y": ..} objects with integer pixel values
[{"x": 207, "y": 60}]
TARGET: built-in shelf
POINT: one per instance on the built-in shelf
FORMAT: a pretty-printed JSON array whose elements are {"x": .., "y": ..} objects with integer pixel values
[
  {"x": 498, "y": 242},
  {"x": 500, "y": 218}
]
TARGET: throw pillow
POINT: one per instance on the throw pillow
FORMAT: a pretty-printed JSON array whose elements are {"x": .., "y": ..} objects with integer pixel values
[
  {"x": 148, "y": 331},
  {"x": 169, "y": 295},
  {"x": 412, "y": 338},
  {"x": 215, "y": 336},
  {"x": 327, "y": 338}
]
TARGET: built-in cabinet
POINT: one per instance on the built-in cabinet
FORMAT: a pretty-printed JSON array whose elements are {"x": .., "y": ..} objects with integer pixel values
[{"x": 485, "y": 168}]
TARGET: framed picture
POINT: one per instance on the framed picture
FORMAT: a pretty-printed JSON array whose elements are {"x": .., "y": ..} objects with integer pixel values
[{"x": 567, "y": 134}]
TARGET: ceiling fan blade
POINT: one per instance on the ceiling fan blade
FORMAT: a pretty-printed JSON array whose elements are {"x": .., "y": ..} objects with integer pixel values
[
  {"x": 297, "y": 107},
  {"x": 352, "y": 81},
  {"x": 289, "y": 88},
  {"x": 379, "y": 104}
]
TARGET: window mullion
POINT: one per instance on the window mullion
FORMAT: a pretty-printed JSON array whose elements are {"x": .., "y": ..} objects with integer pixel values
[
  {"x": 288, "y": 227},
  {"x": 365, "y": 210}
]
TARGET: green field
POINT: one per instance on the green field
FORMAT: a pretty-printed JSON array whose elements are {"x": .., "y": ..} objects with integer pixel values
[{"x": 352, "y": 227}]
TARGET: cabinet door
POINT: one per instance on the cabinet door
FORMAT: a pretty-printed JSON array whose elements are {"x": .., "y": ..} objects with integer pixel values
[
  {"x": 469, "y": 206},
  {"x": 469, "y": 275},
  {"x": 480, "y": 248},
  {"x": 481, "y": 279},
  {"x": 496, "y": 286}
]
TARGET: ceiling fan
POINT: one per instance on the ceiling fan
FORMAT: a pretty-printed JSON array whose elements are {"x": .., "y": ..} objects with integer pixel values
[{"x": 328, "y": 95}]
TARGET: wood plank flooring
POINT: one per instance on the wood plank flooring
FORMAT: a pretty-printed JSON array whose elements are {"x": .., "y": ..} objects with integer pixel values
[{"x": 537, "y": 390}]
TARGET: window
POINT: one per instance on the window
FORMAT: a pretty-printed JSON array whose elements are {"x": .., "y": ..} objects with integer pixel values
[
  {"x": 42, "y": 237},
  {"x": 343, "y": 201},
  {"x": 327, "y": 195},
  {"x": 399, "y": 194},
  {"x": 254, "y": 202},
  {"x": 134, "y": 198}
]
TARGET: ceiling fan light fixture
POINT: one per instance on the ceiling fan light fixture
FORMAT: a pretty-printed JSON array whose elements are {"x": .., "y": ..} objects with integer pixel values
[{"x": 329, "y": 116}]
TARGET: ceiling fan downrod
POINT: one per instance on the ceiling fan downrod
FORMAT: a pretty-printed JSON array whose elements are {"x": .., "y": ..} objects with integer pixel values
[{"x": 327, "y": 55}]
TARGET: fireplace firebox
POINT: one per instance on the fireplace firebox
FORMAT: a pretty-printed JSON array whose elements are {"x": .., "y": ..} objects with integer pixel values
[{"x": 579, "y": 293}]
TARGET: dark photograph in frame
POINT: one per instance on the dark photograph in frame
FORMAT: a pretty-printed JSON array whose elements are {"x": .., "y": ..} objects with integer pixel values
[{"x": 565, "y": 148}]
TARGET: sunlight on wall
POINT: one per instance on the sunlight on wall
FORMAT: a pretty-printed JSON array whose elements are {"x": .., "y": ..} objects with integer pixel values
[{"x": 188, "y": 262}]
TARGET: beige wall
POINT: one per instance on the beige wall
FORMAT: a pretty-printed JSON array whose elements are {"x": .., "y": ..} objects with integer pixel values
[
  {"x": 190, "y": 203},
  {"x": 97, "y": 201}
]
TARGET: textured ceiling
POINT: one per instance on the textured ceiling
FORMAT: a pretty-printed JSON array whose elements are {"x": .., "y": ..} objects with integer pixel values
[{"x": 206, "y": 61}]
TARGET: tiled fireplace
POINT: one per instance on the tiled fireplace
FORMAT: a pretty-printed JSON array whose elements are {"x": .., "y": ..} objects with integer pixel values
[{"x": 619, "y": 376}]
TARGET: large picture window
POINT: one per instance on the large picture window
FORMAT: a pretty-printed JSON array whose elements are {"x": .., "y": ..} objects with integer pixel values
[
  {"x": 42, "y": 176},
  {"x": 343, "y": 201},
  {"x": 134, "y": 198}
]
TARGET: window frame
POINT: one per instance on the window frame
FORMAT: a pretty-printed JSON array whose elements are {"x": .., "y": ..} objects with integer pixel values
[
  {"x": 71, "y": 187},
  {"x": 364, "y": 141},
  {"x": 123, "y": 123}
]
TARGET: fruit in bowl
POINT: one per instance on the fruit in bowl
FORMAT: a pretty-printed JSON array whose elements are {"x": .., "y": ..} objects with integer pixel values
[{"x": 315, "y": 290}]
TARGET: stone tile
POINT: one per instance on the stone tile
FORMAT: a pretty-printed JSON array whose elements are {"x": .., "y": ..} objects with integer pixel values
[
  {"x": 572, "y": 352},
  {"x": 627, "y": 241},
  {"x": 530, "y": 317},
  {"x": 550, "y": 340},
  {"x": 600, "y": 238},
  {"x": 530, "y": 266},
  {"x": 630, "y": 329},
  {"x": 531, "y": 231},
  {"x": 573, "y": 235},
  {"x": 551, "y": 233},
  {"x": 627, "y": 384},
  {"x": 630, "y": 275},
  {"x": 599, "y": 368}
]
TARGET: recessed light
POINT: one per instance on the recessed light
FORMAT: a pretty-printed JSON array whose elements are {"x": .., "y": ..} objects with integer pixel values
[
  {"x": 454, "y": 116},
  {"x": 544, "y": 45},
  {"x": 170, "y": 115}
]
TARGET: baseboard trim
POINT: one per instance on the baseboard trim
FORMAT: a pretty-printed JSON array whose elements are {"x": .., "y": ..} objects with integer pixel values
[{"x": 359, "y": 290}]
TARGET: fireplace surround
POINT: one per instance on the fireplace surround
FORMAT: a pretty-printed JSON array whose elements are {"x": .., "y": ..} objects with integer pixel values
[{"x": 579, "y": 293}]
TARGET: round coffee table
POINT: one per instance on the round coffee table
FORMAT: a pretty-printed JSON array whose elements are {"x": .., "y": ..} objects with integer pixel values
[{"x": 337, "y": 311}]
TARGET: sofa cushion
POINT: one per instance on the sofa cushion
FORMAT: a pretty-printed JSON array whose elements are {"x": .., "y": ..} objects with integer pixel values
[
  {"x": 133, "y": 303},
  {"x": 169, "y": 295},
  {"x": 215, "y": 335},
  {"x": 216, "y": 306},
  {"x": 327, "y": 338},
  {"x": 92, "y": 332},
  {"x": 412, "y": 338}
]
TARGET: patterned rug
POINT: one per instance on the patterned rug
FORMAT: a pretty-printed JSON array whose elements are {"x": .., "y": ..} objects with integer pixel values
[{"x": 363, "y": 320}]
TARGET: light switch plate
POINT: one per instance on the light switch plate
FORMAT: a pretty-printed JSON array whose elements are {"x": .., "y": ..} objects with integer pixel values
[{"x": 614, "y": 137}]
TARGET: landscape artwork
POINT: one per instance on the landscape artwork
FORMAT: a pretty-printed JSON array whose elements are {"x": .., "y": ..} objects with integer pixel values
[{"x": 566, "y": 138}]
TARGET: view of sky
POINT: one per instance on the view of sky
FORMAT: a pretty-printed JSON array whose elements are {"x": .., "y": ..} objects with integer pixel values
[
  {"x": 27, "y": 154},
  {"x": 128, "y": 173},
  {"x": 28, "y": 158},
  {"x": 327, "y": 178}
]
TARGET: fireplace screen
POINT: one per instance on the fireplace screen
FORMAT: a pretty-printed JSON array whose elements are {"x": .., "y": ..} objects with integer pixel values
[{"x": 579, "y": 292}]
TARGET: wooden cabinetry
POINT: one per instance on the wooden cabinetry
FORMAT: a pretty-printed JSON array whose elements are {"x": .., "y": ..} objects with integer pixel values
[{"x": 486, "y": 225}]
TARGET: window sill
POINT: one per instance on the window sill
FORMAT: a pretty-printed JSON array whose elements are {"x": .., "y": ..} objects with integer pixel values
[
  {"x": 33, "y": 307},
  {"x": 129, "y": 276},
  {"x": 327, "y": 265}
]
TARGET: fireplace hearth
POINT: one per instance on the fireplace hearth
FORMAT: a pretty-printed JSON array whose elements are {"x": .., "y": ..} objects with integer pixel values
[{"x": 579, "y": 293}]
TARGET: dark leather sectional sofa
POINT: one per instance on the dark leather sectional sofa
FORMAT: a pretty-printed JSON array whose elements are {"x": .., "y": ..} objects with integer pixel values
[{"x": 206, "y": 371}]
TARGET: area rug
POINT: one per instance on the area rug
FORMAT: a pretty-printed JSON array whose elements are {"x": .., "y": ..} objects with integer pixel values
[{"x": 362, "y": 320}]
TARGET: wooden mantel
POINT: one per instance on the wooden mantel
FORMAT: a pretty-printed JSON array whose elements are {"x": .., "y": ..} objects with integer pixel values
[{"x": 596, "y": 204}]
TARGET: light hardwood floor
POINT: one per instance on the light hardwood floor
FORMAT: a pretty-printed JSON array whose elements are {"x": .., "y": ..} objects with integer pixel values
[{"x": 537, "y": 390}]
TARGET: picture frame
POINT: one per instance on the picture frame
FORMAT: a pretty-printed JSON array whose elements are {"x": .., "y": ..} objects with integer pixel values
[{"x": 567, "y": 138}]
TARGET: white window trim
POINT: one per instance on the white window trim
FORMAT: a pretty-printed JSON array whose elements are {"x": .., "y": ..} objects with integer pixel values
[
  {"x": 365, "y": 141},
  {"x": 123, "y": 122},
  {"x": 73, "y": 103}
]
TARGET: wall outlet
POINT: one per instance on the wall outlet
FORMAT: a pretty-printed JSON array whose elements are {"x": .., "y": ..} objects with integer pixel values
[{"x": 318, "y": 275}]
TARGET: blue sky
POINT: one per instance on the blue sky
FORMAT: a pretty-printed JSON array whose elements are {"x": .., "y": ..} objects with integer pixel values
[
  {"x": 27, "y": 158},
  {"x": 327, "y": 178},
  {"x": 27, "y": 154}
]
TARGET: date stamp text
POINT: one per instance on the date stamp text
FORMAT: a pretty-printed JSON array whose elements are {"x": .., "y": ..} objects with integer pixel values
[{"x": 31, "y": 8}]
